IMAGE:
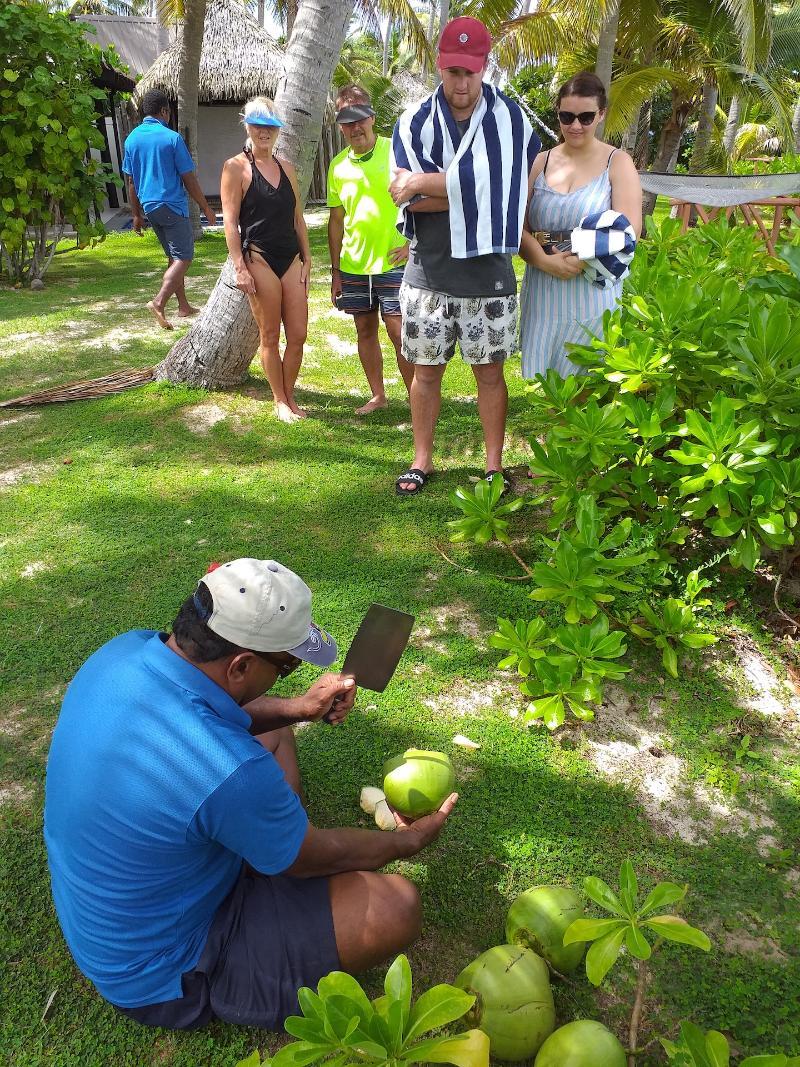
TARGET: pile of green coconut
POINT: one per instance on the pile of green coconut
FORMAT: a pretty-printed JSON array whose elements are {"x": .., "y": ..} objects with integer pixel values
[{"x": 510, "y": 982}]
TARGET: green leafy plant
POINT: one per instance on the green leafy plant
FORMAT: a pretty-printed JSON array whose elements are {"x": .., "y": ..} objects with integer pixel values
[
  {"x": 484, "y": 514},
  {"x": 670, "y": 626},
  {"x": 711, "y": 1049},
  {"x": 632, "y": 926},
  {"x": 48, "y": 179},
  {"x": 556, "y": 690},
  {"x": 631, "y": 922},
  {"x": 340, "y": 1025}
]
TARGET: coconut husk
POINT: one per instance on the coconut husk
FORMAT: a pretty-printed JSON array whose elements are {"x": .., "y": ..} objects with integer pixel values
[{"x": 90, "y": 389}]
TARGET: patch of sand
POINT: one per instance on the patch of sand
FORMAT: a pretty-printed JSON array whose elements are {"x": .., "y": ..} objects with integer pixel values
[
  {"x": 339, "y": 346},
  {"x": 740, "y": 942},
  {"x": 464, "y": 699},
  {"x": 33, "y": 568},
  {"x": 202, "y": 417},
  {"x": 24, "y": 472},
  {"x": 24, "y": 416}
]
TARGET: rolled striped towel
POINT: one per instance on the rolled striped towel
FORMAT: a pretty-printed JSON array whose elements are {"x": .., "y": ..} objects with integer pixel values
[
  {"x": 605, "y": 242},
  {"x": 487, "y": 168}
]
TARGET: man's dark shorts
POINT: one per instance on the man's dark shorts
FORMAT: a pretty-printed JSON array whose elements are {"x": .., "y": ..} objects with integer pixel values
[
  {"x": 269, "y": 937},
  {"x": 174, "y": 231},
  {"x": 366, "y": 292}
]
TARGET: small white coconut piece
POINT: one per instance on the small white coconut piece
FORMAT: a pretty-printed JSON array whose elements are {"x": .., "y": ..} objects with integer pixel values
[
  {"x": 465, "y": 742},
  {"x": 370, "y": 798},
  {"x": 384, "y": 817}
]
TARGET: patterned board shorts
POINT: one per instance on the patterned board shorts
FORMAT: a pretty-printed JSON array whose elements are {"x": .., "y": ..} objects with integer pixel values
[
  {"x": 485, "y": 327},
  {"x": 368, "y": 292}
]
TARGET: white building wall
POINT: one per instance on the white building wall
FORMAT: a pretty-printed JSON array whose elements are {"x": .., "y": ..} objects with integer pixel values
[{"x": 220, "y": 135}]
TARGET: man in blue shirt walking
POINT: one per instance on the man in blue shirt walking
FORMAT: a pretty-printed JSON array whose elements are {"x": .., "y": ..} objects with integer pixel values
[
  {"x": 187, "y": 878},
  {"x": 160, "y": 172}
]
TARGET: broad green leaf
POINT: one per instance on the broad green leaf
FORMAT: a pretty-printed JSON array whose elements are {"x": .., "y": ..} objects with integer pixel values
[
  {"x": 665, "y": 893},
  {"x": 340, "y": 984},
  {"x": 637, "y": 943},
  {"x": 397, "y": 986},
  {"x": 602, "y": 955},
  {"x": 669, "y": 658},
  {"x": 465, "y": 1050},
  {"x": 674, "y": 928},
  {"x": 305, "y": 1029},
  {"x": 590, "y": 929},
  {"x": 310, "y": 1004},
  {"x": 717, "y": 1049},
  {"x": 438, "y": 1006},
  {"x": 253, "y": 1060},
  {"x": 778, "y": 1060},
  {"x": 628, "y": 883},
  {"x": 601, "y": 893},
  {"x": 299, "y": 1054}
]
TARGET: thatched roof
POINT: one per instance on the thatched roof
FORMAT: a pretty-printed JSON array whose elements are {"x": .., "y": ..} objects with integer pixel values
[{"x": 239, "y": 59}]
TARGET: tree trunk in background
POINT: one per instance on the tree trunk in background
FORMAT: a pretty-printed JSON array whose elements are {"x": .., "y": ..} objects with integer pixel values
[
  {"x": 606, "y": 43},
  {"x": 261, "y": 12},
  {"x": 188, "y": 79},
  {"x": 796, "y": 126},
  {"x": 426, "y": 71},
  {"x": 732, "y": 125},
  {"x": 669, "y": 144},
  {"x": 387, "y": 48},
  {"x": 291, "y": 15},
  {"x": 631, "y": 135},
  {"x": 218, "y": 349},
  {"x": 705, "y": 127},
  {"x": 641, "y": 154}
]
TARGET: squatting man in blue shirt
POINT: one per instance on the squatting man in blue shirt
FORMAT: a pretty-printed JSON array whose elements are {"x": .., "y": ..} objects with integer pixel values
[{"x": 187, "y": 877}]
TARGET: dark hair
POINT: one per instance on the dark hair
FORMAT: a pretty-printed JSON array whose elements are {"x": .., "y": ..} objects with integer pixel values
[
  {"x": 353, "y": 94},
  {"x": 584, "y": 84},
  {"x": 194, "y": 638},
  {"x": 154, "y": 102}
]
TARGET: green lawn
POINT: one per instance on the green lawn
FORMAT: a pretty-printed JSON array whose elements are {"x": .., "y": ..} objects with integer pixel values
[{"x": 110, "y": 509}]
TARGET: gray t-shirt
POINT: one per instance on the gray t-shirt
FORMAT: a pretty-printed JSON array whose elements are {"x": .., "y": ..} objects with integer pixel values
[{"x": 431, "y": 266}]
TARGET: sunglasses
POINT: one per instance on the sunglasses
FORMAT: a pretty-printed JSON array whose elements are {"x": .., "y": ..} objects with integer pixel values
[
  {"x": 283, "y": 662},
  {"x": 585, "y": 118}
]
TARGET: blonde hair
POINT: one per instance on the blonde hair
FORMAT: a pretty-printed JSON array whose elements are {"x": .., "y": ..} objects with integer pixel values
[{"x": 258, "y": 105}]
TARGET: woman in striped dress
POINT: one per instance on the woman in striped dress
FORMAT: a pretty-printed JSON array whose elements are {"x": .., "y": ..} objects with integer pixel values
[{"x": 578, "y": 177}]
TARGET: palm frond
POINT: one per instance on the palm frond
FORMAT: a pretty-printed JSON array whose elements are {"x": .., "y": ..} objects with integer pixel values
[
  {"x": 752, "y": 138},
  {"x": 786, "y": 37},
  {"x": 170, "y": 11},
  {"x": 406, "y": 22},
  {"x": 777, "y": 93},
  {"x": 530, "y": 39},
  {"x": 753, "y": 22},
  {"x": 630, "y": 91}
]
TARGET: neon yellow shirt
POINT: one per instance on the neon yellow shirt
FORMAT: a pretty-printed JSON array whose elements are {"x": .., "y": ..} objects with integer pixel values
[{"x": 370, "y": 217}]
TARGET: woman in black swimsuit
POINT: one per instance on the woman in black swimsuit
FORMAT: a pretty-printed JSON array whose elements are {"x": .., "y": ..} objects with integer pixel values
[{"x": 268, "y": 243}]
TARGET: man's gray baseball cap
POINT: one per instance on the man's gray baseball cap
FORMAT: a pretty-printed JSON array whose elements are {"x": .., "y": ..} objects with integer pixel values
[
  {"x": 355, "y": 113},
  {"x": 261, "y": 605}
]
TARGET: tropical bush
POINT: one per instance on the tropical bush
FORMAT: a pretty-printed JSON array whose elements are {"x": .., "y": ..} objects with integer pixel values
[
  {"x": 676, "y": 451},
  {"x": 48, "y": 180}
]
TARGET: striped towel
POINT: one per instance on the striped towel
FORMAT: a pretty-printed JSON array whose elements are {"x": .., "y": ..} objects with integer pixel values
[
  {"x": 487, "y": 168},
  {"x": 605, "y": 242}
]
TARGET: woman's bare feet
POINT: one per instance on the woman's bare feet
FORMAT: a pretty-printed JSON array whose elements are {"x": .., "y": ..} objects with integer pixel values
[
  {"x": 375, "y": 404},
  {"x": 296, "y": 410},
  {"x": 188, "y": 312},
  {"x": 158, "y": 315},
  {"x": 283, "y": 413}
]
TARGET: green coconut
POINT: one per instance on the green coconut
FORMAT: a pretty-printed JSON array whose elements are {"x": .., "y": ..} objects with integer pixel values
[
  {"x": 584, "y": 1043},
  {"x": 417, "y": 782},
  {"x": 538, "y": 918},
  {"x": 513, "y": 1000}
]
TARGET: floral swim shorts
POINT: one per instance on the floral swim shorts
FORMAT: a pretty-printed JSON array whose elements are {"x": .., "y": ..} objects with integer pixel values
[{"x": 485, "y": 327}]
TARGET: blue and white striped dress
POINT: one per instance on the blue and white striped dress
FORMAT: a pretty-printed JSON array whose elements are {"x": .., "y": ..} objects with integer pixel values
[{"x": 552, "y": 310}]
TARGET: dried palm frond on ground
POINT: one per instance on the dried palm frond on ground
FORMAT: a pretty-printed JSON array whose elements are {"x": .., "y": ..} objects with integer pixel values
[{"x": 89, "y": 389}]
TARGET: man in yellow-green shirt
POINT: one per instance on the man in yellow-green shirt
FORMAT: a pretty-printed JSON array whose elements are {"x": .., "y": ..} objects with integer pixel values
[{"x": 368, "y": 253}]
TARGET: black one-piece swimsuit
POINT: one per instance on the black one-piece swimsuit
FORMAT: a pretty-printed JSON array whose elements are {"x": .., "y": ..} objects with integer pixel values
[{"x": 266, "y": 220}]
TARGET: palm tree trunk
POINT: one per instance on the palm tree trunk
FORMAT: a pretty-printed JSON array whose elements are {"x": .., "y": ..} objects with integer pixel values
[
  {"x": 641, "y": 154},
  {"x": 705, "y": 126},
  {"x": 387, "y": 48},
  {"x": 190, "y": 48},
  {"x": 668, "y": 146},
  {"x": 606, "y": 44},
  {"x": 796, "y": 126},
  {"x": 218, "y": 349},
  {"x": 431, "y": 26},
  {"x": 291, "y": 15},
  {"x": 732, "y": 125},
  {"x": 261, "y": 12},
  {"x": 631, "y": 135}
]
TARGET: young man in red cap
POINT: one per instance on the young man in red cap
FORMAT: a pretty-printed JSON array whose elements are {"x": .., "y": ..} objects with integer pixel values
[
  {"x": 461, "y": 179},
  {"x": 187, "y": 878}
]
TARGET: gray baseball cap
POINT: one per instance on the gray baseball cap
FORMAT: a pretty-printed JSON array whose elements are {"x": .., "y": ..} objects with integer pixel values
[{"x": 355, "y": 113}]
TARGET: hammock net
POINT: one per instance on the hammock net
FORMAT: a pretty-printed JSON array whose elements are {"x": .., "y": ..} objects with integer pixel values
[{"x": 720, "y": 190}]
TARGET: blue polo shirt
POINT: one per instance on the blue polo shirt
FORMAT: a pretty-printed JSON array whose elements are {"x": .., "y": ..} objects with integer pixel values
[
  {"x": 155, "y": 794},
  {"x": 156, "y": 157}
]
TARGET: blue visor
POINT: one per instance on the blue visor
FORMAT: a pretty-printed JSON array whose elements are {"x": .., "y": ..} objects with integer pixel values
[{"x": 262, "y": 118}]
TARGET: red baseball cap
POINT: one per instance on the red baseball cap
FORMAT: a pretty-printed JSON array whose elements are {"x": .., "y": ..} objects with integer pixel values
[{"x": 465, "y": 42}]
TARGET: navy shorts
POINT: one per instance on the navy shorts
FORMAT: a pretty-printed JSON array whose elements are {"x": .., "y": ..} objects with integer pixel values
[
  {"x": 367, "y": 292},
  {"x": 269, "y": 937},
  {"x": 174, "y": 231}
]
